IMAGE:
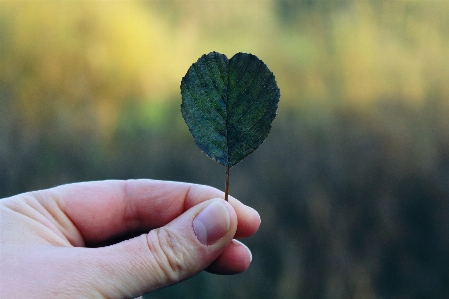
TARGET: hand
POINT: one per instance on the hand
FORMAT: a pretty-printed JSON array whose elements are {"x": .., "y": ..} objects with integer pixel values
[{"x": 118, "y": 239}]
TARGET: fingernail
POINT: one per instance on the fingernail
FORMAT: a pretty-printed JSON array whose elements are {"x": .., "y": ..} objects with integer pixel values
[
  {"x": 249, "y": 251},
  {"x": 212, "y": 223}
]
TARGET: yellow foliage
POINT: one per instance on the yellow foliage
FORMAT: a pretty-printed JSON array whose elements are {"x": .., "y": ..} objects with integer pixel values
[
  {"x": 379, "y": 59},
  {"x": 89, "y": 53},
  {"x": 60, "y": 57}
]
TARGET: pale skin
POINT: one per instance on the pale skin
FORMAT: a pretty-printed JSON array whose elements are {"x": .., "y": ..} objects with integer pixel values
[{"x": 118, "y": 239}]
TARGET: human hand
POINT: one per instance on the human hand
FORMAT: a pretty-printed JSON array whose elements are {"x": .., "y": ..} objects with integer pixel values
[{"x": 56, "y": 243}]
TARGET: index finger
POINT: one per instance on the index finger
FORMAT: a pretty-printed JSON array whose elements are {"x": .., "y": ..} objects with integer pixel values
[{"x": 106, "y": 209}]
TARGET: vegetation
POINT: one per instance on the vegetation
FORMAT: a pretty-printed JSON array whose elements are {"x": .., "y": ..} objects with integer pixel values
[
  {"x": 353, "y": 184},
  {"x": 229, "y": 105}
]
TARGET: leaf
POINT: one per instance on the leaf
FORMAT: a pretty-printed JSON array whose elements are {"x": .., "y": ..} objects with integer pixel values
[{"x": 228, "y": 105}]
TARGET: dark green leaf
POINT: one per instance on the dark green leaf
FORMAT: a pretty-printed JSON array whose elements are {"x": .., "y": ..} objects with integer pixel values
[{"x": 229, "y": 104}]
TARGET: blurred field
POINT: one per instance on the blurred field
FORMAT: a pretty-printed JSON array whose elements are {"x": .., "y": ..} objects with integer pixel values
[{"x": 353, "y": 182}]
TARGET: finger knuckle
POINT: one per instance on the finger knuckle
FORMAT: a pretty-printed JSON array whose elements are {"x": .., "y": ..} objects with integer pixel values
[{"x": 169, "y": 252}]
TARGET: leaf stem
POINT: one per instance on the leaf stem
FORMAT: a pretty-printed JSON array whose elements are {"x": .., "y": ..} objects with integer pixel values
[{"x": 227, "y": 184}]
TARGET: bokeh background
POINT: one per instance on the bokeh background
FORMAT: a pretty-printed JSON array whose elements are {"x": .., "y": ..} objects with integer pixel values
[{"x": 353, "y": 182}]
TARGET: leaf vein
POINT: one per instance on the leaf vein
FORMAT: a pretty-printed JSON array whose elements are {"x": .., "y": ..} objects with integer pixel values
[
  {"x": 213, "y": 82},
  {"x": 200, "y": 108},
  {"x": 252, "y": 104},
  {"x": 249, "y": 129},
  {"x": 239, "y": 152},
  {"x": 240, "y": 77}
]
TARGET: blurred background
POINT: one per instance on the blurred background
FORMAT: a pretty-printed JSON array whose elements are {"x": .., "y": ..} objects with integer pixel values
[{"x": 353, "y": 182}]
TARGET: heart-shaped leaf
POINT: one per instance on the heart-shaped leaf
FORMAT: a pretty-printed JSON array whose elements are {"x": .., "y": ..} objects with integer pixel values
[{"x": 228, "y": 105}]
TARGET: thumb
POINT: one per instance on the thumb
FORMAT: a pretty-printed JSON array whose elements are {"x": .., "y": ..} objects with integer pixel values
[{"x": 168, "y": 254}]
